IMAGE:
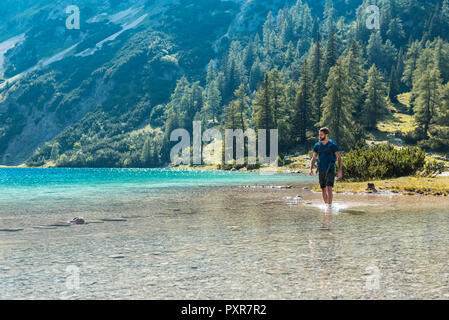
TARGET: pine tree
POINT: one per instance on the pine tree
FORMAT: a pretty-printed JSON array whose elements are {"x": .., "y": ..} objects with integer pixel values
[
  {"x": 287, "y": 33},
  {"x": 317, "y": 99},
  {"x": 250, "y": 55},
  {"x": 441, "y": 56},
  {"x": 375, "y": 105},
  {"x": 396, "y": 31},
  {"x": 393, "y": 86},
  {"x": 256, "y": 75},
  {"x": 54, "y": 151},
  {"x": 316, "y": 59},
  {"x": 444, "y": 18},
  {"x": 170, "y": 125},
  {"x": 268, "y": 33},
  {"x": 354, "y": 67},
  {"x": 400, "y": 67},
  {"x": 337, "y": 107},
  {"x": 232, "y": 116},
  {"x": 212, "y": 94},
  {"x": 231, "y": 77},
  {"x": 374, "y": 49},
  {"x": 211, "y": 72},
  {"x": 264, "y": 112},
  {"x": 303, "y": 106},
  {"x": 427, "y": 88},
  {"x": 146, "y": 155},
  {"x": 386, "y": 16},
  {"x": 275, "y": 94},
  {"x": 411, "y": 60},
  {"x": 444, "y": 111},
  {"x": 331, "y": 53},
  {"x": 241, "y": 105},
  {"x": 329, "y": 16}
]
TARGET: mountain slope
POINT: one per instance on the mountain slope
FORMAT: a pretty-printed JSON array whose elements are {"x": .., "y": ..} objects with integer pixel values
[{"x": 127, "y": 55}]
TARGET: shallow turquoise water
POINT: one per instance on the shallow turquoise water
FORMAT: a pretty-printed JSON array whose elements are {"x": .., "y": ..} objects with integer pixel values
[
  {"x": 150, "y": 178},
  {"x": 207, "y": 235},
  {"x": 19, "y": 185}
]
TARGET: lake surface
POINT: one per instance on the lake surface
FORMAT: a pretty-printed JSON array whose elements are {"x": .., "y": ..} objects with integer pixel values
[{"x": 162, "y": 234}]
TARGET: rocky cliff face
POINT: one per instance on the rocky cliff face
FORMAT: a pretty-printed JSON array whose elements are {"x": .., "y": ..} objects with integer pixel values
[{"x": 125, "y": 53}]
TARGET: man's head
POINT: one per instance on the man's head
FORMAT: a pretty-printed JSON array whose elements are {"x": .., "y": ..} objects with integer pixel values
[{"x": 324, "y": 133}]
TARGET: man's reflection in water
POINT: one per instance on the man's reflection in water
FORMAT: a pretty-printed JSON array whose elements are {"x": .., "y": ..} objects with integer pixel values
[
  {"x": 323, "y": 252},
  {"x": 327, "y": 220}
]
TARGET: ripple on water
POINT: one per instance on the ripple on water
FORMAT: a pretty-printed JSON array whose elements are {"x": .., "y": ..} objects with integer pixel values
[{"x": 240, "y": 245}]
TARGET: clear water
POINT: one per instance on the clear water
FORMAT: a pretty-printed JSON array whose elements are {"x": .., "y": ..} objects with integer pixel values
[{"x": 207, "y": 235}]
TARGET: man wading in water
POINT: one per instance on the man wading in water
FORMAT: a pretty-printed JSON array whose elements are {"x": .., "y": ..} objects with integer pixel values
[{"x": 327, "y": 153}]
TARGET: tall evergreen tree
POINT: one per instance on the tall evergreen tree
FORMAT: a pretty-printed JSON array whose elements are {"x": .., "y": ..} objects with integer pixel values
[
  {"x": 427, "y": 88},
  {"x": 356, "y": 79},
  {"x": 54, "y": 155},
  {"x": 331, "y": 53},
  {"x": 375, "y": 105},
  {"x": 411, "y": 61},
  {"x": 444, "y": 112},
  {"x": 241, "y": 105},
  {"x": 393, "y": 86},
  {"x": 250, "y": 55},
  {"x": 319, "y": 91},
  {"x": 374, "y": 49},
  {"x": 329, "y": 16},
  {"x": 441, "y": 56},
  {"x": 275, "y": 94},
  {"x": 337, "y": 107},
  {"x": 400, "y": 67},
  {"x": 212, "y": 94},
  {"x": 146, "y": 155},
  {"x": 264, "y": 112},
  {"x": 256, "y": 75},
  {"x": 316, "y": 59},
  {"x": 303, "y": 106}
]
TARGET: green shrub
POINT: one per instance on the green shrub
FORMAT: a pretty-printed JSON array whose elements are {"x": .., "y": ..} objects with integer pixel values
[
  {"x": 382, "y": 162},
  {"x": 432, "y": 168}
]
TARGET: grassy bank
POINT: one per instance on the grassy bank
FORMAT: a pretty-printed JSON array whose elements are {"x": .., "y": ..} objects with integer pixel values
[{"x": 438, "y": 186}]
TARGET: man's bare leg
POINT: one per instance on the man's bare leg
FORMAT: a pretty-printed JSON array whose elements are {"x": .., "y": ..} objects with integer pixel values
[
  {"x": 329, "y": 195},
  {"x": 324, "y": 192}
]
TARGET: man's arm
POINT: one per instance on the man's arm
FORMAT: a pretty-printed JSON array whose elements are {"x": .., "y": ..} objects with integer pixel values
[
  {"x": 312, "y": 163},
  {"x": 340, "y": 165}
]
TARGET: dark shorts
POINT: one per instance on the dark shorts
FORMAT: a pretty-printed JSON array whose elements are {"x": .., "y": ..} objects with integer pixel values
[{"x": 327, "y": 181}]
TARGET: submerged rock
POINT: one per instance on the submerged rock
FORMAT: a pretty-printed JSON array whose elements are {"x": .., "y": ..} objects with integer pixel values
[
  {"x": 77, "y": 220},
  {"x": 44, "y": 227},
  {"x": 371, "y": 188},
  {"x": 187, "y": 212},
  {"x": 59, "y": 225},
  {"x": 353, "y": 212},
  {"x": 116, "y": 256},
  {"x": 10, "y": 230},
  {"x": 113, "y": 220}
]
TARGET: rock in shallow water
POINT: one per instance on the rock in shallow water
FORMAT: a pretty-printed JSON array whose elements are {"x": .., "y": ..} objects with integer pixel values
[
  {"x": 59, "y": 225},
  {"x": 77, "y": 220},
  {"x": 116, "y": 256},
  {"x": 10, "y": 230},
  {"x": 113, "y": 220},
  {"x": 353, "y": 212}
]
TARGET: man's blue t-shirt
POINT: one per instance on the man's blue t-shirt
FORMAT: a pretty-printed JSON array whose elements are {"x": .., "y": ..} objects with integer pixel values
[{"x": 325, "y": 156}]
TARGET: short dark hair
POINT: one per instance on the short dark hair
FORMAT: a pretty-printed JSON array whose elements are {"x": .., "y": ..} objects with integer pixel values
[{"x": 325, "y": 130}]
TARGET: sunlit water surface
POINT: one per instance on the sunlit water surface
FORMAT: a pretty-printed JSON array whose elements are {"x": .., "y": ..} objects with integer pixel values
[{"x": 213, "y": 235}]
